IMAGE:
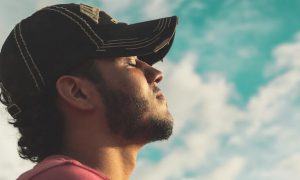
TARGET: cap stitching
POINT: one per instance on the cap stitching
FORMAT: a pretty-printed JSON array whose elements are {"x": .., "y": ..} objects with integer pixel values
[
  {"x": 169, "y": 23},
  {"x": 161, "y": 45},
  {"x": 122, "y": 39},
  {"x": 96, "y": 33},
  {"x": 34, "y": 65},
  {"x": 72, "y": 19},
  {"x": 27, "y": 65},
  {"x": 83, "y": 21},
  {"x": 143, "y": 45},
  {"x": 162, "y": 24},
  {"x": 150, "y": 40},
  {"x": 161, "y": 30},
  {"x": 124, "y": 42},
  {"x": 158, "y": 24}
]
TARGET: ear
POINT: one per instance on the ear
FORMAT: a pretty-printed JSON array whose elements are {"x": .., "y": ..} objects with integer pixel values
[{"x": 75, "y": 91}]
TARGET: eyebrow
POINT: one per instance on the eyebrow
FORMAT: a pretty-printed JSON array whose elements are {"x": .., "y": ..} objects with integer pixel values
[{"x": 132, "y": 57}]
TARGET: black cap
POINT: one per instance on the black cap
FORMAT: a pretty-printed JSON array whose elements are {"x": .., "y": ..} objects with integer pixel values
[{"x": 55, "y": 39}]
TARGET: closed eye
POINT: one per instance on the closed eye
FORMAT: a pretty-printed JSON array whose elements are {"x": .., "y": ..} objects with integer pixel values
[{"x": 132, "y": 64}]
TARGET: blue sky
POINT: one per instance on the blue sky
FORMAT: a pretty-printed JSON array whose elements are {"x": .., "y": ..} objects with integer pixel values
[{"x": 232, "y": 80}]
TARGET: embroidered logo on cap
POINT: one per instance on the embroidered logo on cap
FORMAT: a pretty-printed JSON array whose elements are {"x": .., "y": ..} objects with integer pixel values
[
  {"x": 91, "y": 12},
  {"x": 113, "y": 20}
]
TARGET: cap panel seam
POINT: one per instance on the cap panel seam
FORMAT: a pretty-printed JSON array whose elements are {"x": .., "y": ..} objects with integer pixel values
[
  {"x": 32, "y": 61},
  {"x": 24, "y": 59},
  {"x": 72, "y": 19},
  {"x": 85, "y": 22}
]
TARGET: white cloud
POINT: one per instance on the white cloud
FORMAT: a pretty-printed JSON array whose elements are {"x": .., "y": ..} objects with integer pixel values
[
  {"x": 11, "y": 165},
  {"x": 203, "y": 112},
  {"x": 277, "y": 98},
  {"x": 200, "y": 104},
  {"x": 43, "y": 3},
  {"x": 229, "y": 170},
  {"x": 292, "y": 164},
  {"x": 286, "y": 57},
  {"x": 162, "y": 8},
  {"x": 287, "y": 168},
  {"x": 273, "y": 100},
  {"x": 115, "y": 6}
]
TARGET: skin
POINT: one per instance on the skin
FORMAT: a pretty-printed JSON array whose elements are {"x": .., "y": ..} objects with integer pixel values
[{"x": 90, "y": 137}]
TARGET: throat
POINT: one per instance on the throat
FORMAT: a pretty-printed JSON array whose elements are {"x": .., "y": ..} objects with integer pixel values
[{"x": 113, "y": 162}]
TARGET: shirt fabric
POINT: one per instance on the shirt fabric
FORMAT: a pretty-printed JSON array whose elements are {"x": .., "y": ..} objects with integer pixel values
[{"x": 60, "y": 167}]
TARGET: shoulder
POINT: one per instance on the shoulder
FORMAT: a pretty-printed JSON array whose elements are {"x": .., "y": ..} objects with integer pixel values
[
  {"x": 62, "y": 169},
  {"x": 68, "y": 171}
]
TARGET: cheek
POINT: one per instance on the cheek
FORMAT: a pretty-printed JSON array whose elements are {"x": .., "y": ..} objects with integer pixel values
[{"x": 134, "y": 83}]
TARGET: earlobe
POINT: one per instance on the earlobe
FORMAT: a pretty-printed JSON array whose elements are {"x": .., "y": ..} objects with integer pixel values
[{"x": 72, "y": 91}]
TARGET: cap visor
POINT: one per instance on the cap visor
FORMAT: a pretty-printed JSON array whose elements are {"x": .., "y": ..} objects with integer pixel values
[{"x": 150, "y": 40}]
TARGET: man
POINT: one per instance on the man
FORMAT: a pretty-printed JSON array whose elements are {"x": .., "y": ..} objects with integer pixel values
[{"x": 82, "y": 91}]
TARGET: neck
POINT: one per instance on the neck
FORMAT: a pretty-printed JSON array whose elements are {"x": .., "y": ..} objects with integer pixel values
[
  {"x": 110, "y": 158},
  {"x": 117, "y": 163}
]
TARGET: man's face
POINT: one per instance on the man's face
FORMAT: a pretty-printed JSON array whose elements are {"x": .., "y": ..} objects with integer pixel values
[{"x": 135, "y": 107}]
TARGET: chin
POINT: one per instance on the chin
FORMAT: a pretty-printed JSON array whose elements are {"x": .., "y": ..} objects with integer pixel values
[{"x": 159, "y": 128}]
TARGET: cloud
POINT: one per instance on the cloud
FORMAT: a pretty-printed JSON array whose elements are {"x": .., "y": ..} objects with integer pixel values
[
  {"x": 214, "y": 138},
  {"x": 288, "y": 168},
  {"x": 114, "y": 6},
  {"x": 200, "y": 104},
  {"x": 204, "y": 115},
  {"x": 278, "y": 97},
  {"x": 286, "y": 57},
  {"x": 43, "y": 3},
  {"x": 11, "y": 165},
  {"x": 229, "y": 170},
  {"x": 157, "y": 8},
  {"x": 161, "y": 8}
]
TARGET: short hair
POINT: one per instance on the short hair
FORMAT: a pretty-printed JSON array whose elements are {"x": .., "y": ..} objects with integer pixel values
[{"x": 41, "y": 125}]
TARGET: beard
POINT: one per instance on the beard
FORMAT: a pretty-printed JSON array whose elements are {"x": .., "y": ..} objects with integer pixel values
[{"x": 125, "y": 114}]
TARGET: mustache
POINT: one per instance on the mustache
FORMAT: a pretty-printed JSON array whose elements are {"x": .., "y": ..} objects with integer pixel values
[{"x": 156, "y": 89}]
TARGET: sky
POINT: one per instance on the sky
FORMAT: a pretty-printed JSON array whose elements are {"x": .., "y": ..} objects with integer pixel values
[{"x": 232, "y": 80}]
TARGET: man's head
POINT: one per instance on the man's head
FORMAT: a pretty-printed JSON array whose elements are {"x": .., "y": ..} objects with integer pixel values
[
  {"x": 124, "y": 93},
  {"x": 89, "y": 64}
]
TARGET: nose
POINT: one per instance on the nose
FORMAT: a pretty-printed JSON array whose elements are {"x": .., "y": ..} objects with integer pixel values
[{"x": 153, "y": 75}]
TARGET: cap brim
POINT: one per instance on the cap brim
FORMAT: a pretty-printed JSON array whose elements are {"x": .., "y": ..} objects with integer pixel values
[{"x": 150, "y": 40}]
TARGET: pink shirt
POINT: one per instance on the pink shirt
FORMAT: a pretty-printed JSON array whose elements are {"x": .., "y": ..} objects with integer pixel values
[{"x": 59, "y": 167}]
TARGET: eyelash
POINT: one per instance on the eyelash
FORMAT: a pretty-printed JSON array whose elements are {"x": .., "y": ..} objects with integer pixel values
[{"x": 132, "y": 64}]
